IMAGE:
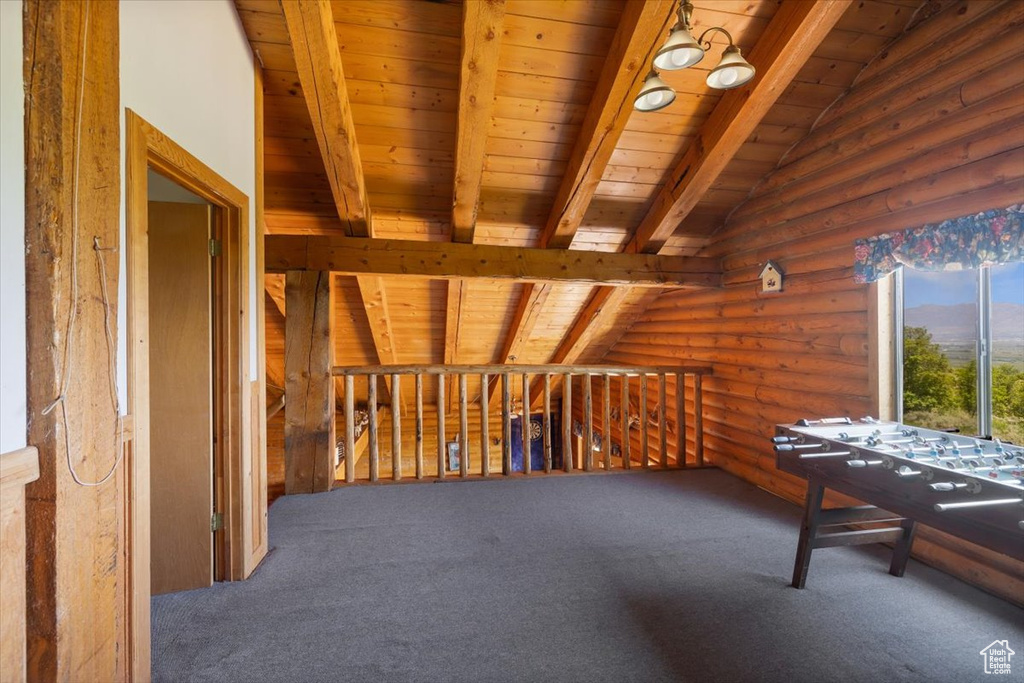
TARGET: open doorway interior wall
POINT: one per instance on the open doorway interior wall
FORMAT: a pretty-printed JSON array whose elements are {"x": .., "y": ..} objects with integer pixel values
[{"x": 184, "y": 391}]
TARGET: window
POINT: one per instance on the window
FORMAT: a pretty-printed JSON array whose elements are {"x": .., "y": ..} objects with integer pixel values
[{"x": 962, "y": 349}]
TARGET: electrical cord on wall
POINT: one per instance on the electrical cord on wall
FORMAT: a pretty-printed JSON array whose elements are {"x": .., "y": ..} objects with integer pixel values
[{"x": 98, "y": 249}]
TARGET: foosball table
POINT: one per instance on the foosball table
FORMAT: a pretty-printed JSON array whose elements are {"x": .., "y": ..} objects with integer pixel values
[{"x": 970, "y": 488}]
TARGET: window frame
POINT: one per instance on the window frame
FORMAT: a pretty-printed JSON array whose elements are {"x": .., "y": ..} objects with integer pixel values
[{"x": 982, "y": 351}]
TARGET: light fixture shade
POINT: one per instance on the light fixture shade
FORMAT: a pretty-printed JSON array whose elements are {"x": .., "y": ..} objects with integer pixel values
[
  {"x": 732, "y": 72},
  {"x": 679, "y": 51},
  {"x": 654, "y": 95}
]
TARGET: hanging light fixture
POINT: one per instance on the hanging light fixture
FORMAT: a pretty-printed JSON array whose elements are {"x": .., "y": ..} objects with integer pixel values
[
  {"x": 680, "y": 51},
  {"x": 732, "y": 71},
  {"x": 655, "y": 94}
]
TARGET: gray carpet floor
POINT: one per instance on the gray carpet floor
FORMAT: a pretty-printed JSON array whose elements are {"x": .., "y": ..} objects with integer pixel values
[{"x": 649, "y": 576}]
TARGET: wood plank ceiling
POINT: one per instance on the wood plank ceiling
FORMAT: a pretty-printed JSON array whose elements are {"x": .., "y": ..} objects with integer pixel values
[{"x": 513, "y": 121}]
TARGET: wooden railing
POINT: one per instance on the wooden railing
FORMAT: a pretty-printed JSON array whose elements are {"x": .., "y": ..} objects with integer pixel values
[{"x": 633, "y": 425}]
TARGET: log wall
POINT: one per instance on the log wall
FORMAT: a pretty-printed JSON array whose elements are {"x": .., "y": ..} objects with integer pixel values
[{"x": 920, "y": 137}]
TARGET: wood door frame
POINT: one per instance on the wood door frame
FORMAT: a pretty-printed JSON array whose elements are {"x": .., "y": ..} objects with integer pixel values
[{"x": 147, "y": 147}]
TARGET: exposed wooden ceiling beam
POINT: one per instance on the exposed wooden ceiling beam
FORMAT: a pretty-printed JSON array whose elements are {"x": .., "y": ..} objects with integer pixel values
[
  {"x": 642, "y": 27},
  {"x": 317, "y": 55},
  {"x": 446, "y": 261},
  {"x": 789, "y": 40},
  {"x": 314, "y": 41},
  {"x": 792, "y": 36},
  {"x": 481, "y": 44}
]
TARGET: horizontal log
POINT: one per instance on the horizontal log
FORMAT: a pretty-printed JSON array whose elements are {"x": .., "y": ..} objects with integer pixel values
[
  {"x": 743, "y": 267},
  {"x": 980, "y": 131},
  {"x": 446, "y": 260},
  {"x": 519, "y": 369}
]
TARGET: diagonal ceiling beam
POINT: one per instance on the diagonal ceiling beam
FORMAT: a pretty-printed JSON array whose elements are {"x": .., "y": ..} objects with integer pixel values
[
  {"x": 314, "y": 42},
  {"x": 789, "y": 40},
  {"x": 481, "y": 46},
  {"x": 317, "y": 55},
  {"x": 642, "y": 27}
]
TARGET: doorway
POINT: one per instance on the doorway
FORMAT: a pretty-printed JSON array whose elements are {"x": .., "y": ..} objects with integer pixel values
[
  {"x": 213, "y": 399},
  {"x": 184, "y": 391}
]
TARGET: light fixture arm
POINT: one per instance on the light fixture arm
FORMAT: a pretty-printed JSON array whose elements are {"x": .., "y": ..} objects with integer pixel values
[{"x": 707, "y": 43}]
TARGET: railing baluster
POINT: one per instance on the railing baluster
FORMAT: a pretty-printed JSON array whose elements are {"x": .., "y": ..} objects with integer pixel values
[
  {"x": 396, "y": 427},
  {"x": 606, "y": 421},
  {"x": 680, "y": 419},
  {"x": 371, "y": 406},
  {"x": 588, "y": 424},
  {"x": 567, "y": 422},
  {"x": 506, "y": 424},
  {"x": 419, "y": 426},
  {"x": 525, "y": 425},
  {"x": 644, "y": 452},
  {"x": 698, "y": 419},
  {"x": 662, "y": 431},
  {"x": 350, "y": 429},
  {"x": 624, "y": 436},
  {"x": 440, "y": 426},
  {"x": 463, "y": 427},
  {"x": 547, "y": 423},
  {"x": 485, "y": 446}
]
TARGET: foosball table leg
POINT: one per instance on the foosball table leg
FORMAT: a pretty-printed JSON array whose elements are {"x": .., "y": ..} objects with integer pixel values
[
  {"x": 808, "y": 531},
  {"x": 901, "y": 549}
]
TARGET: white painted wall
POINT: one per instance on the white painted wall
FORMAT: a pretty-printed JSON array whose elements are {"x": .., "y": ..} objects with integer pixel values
[
  {"x": 186, "y": 68},
  {"x": 13, "y": 424}
]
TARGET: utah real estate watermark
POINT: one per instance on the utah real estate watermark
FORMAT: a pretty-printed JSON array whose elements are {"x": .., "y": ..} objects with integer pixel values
[{"x": 997, "y": 657}]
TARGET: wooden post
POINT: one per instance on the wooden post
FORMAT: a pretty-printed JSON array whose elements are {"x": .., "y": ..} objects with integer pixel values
[
  {"x": 440, "y": 426},
  {"x": 396, "y": 427},
  {"x": 463, "y": 427},
  {"x": 419, "y": 425},
  {"x": 350, "y": 429},
  {"x": 75, "y": 557},
  {"x": 524, "y": 424},
  {"x": 662, "y": 430},
  {"x": 567, "y": 422},
  {"x": 680, "y": 419},
  {"x": 588, "y": 424},
  {"x": 547, "y": 423},
  {"x": 309, "y": 443},
  {"x": 644, "y": 452},
  {"x": 698, "y": 420},
  {"x": 624, "y": 407},
  {"x": 606, "y": 421},
  {"x": 371, "y": 408},
  {"x": 506, "y": 424},
  {"x": 485, "y": 437}
]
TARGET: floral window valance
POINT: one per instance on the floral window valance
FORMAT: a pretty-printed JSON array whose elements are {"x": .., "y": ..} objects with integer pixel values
[{"x": 986, "y": 238}]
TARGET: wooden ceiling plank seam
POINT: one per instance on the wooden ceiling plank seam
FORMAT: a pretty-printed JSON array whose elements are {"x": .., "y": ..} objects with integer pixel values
[{"x": 789, "y": 40}]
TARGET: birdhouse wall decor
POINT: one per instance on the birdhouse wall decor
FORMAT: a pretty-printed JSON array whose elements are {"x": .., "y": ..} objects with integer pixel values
[{"x": 771, "y": 277}]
